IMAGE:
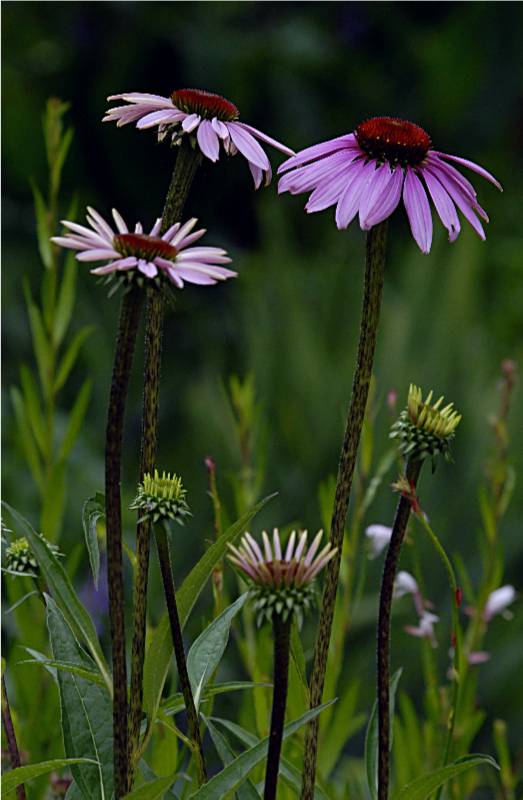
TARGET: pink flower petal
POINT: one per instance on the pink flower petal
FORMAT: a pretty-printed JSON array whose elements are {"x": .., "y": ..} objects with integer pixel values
[
  {"x": 349, "y": 201},
  {"x": 471, "y": 165},
  {"x": 191, "y": 122},
  {"x": 97, "y": 254},
  {"x": 443, "y": 204},
  {"x": 267, "y": 139},
  {"x": 461, "y": 199},
  {"x": 384, "y": 201},
  {"x": 418, "y": 210},
  {"x": 165, "y": 117},
  {"x": 247, "y": 145},
  {"x": 147, "y": 268},
  {"x": 329, "y": 191},
  {"x": 208, "y": 140},
  {"x": 318, "y": 151}
]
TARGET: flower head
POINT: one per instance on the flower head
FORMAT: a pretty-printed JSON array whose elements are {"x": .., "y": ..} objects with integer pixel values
[
  {"x": 208, "y": 118},
  {"x": 162, "y": 498},
  {"x": 425, "y": 627},
  {"x": 386, "y": 160},
  {"x": 19, "y": 558},
  {"x": 379, "y": 537},
  {"x": 135, "y": 255},
  {"x": 282, "y": 582},
  {"x": 424, "y": 428},
  {"x": 498, "y": 601}
]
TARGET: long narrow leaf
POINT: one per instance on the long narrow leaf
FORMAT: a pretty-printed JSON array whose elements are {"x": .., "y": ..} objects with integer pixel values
[
  {"x": 70, "y": 356},
  {"x": 422, "y": 787},
  {"x": 32, "y": 405},
  {"x": 63, "y": 592},
  {"x": 247, "y": 791},
  {"x": 76, "y": 418},
  {"x": 66, "y": 295},
  {"x": 13, "y": 778},
  {"x": 93, "y": 510},
  {"x": 26, "y": 437}
]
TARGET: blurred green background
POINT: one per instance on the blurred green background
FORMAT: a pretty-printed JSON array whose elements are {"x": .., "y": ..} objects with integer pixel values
[{"x": 302, "y": 72}]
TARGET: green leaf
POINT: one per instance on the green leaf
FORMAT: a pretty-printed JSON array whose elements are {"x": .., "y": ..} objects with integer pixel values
[
  {"x": 159, "y": 652},
  {"x": 53, "y": 502},
  {"x": 62, "y": 591},
  {"x": 422, "y": 787},
  {"x": 19, "y": 602},
  {"x": 41, "y": 344},
  {"x": 32, "y": 406},
  {"x": 66, "y": 296},
  {"x": 93, "y": 510},
  {"x": 13, "y": 778},
  {"x": 154, "y": 789},
  {"x": 59, "y": 159},
  {"x": 371, "y": 738},
  {"x": 88, "y": 673},
  {"x": 86, "y": 711},
  {"x": 288, "y": 771},
  {"x": 175, "y": 703},
  {"x": 42, "y": 227},
  {"x": 298, "y": 656},
  {"x": 235, "y": 773},
  {"x": 227, "y": 755},
  {"x": 70, "y": 356},
  {"x": 208, "y": 649},
  {"x": 26, "y": 437},
  {"x": 76, "y": 418}
]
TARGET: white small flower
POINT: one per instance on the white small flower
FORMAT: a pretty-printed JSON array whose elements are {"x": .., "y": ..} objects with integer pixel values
[
  {"x": 379, "y": 537},
  {"x": 405, "y": 583},
  {"x": 425, "y": 627},
  {"x": 498, "y": 601}
]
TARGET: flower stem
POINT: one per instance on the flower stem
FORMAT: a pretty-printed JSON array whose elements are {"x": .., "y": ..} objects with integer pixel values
[
  {"x": 125, "y": 342},
  {"x": 372, "y": 292},
  {"x": 187, "y": 161},
  {"x": 282, "y": 632},
  {"x": 401, "y": 519},
  {"x": 162, "y": 544},
  {"x": 10, "y": 735}
]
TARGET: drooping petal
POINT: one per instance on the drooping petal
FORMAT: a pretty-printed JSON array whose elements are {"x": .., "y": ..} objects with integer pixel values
[
  {"x": 147, "y": 268},
  {"x": 328, "y": 191},
  {"x": 191, "y": 122},
  {"x": 443, "y": 205},
  {"x": 471, "y": 165},
  {"x": 418, "y": 210},
  {"x": 219, "y": 128},
  {"x": 267, "y": 139},
  {"x": 461, "y": 200},
  {"x": 385, "y": 202},
  {"x": 303, "y": 179},
  {"x": 247, "y": 145},
  {"x": 318, "y": 151},
  {"x": 208, "y": 140},
  {"x": 349, "y": 201}
]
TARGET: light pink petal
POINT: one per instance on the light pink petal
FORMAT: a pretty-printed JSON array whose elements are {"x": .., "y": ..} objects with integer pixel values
[
  {"x": 164, "y": 117},
  {"x": 328, "y": 191},
  {"x": 191, "y": 122},
  {"x": 142, "y": 97},
  {"x": 461, "y": 199},
  {"x": 276, "y": 544},
  {"x": 155, "y": 230},
  {"x": 247, "y": 145},
  {"x": 190, "y": 239},
  {"x": 257, "y": 174},
  {"x": 219, "y": 273},
  {"x": 101, "y": 225},
  {"x": 301, "y": 546},
  {"x": 90, "y": 235},
  {"x": 318, "y": 151},
  {"x": 138, "y": 228},
  {"x": 443, "y": 204},
  {"x": 211, "y": 254},
  {"x": 126, "y": 263},
  {"x": 471, "y": 165},
  {"x": 169, "y": 233},
  {"x": 219, "y": 128},
  {"x": 312, "y": 549},
  {"x": 183, "y": 231},
  {"x": 267, "y": 139},
  {"x": 105, "y": 270},
  {"x": 175, "y": 278},
  {"x": 290, "y": 546},
  {"x": 196, "y": 277},
  {"x": 125, "y": 116},
  {"x": 120, "y": 222},
  {"x": 208, "y": 140},
  {"x": 97, "y": 254},
  {"x": 309, "y": 177},
  {"x": 418, "y": 210},
  {"x": 461, "y": 182},
  {"x": 254, "y": 544},
  {"x": 70, "y": 242},
  {"x": 147, "y": 268},
  {"x": 350, "y": 198},
  {"x": 267, "y": 546},
  {"x": 384, "y": 201}
]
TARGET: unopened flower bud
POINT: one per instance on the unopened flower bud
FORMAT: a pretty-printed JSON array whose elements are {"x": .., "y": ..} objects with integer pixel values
[{"x": 162, "y": 498}]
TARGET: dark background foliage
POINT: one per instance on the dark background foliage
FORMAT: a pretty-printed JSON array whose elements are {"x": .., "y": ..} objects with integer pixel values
[{"x": 302, "y": 72}]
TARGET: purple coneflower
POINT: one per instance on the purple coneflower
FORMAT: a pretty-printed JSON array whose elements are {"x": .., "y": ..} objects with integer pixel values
[
  {"x": 149, "y": 254},
  {"x": 210, "y": 117},
  {"x": 369, "y": 171}
]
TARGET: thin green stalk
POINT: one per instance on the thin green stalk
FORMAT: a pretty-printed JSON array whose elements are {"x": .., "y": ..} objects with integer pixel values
[
  {"x": 162, "y": 544},
  {"x": 10, "y": 735},
  {"x": 187, "y": 162},
  {"x": 457, "y": 640},
  {"x": 372, "y": 292},
  {"x": 125, "y": 343},
  {"x": 282, "y": 638},
  {"x": 399, "y": 528}
]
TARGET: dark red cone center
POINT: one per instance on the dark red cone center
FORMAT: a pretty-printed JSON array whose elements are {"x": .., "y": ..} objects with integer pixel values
[
  {"x": 206, "y": 104},
  {"x": 140, "y": 245},
  {"x": 394, "y": 140}
]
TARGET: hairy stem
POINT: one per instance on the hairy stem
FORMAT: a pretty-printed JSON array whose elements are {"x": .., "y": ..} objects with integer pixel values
[
  {"x": 282, "y": 632},
  {"x": 10, "y": 735},
  {"x": 401, "y": 519},
  {"x": 162, "y": 545},
  {"x": 125, "y": 343},
  {"x": 372, "y": 292},
  {"x": 187, "y": 162}
]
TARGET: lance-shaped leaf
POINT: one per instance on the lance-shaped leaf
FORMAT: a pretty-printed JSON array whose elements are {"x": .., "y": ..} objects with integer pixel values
[
  {"x": 423, "y": 787},
  {"x": 13, "y": 778}
]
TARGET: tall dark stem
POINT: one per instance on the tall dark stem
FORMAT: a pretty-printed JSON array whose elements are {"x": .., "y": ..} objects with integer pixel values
[
  {"x": 10, "y": 735},
  {"x": 401, "y": 519},
  {"x": 162, "y": 544},
  {"x": 372, "y": 292},
  {"x": 185, "y": 167},
  {"x": 123, "y": 357},
  {"x": 282, "y": 634}
]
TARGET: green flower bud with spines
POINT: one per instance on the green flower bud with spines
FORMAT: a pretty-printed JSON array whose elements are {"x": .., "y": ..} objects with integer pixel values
[
  {"x": 424, "y": 428},
  {"x": 162, "y": 498},
  {"x": 19, "y": 558}
]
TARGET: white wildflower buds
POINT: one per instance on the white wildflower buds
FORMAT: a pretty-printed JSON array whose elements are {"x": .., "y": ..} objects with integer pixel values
[
  {"x": 162, "y": 498},
  {"x": 425, "y": 428},
  {"x": 282, "y": 582}
]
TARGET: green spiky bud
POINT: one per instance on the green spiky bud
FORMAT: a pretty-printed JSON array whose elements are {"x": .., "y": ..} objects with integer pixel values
[
  {"x": 19, "y": 557},
  {"x": 162, "y": 498},
  {"x": 284, "y": 601},
  {"x": 425, "y": 428}
]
